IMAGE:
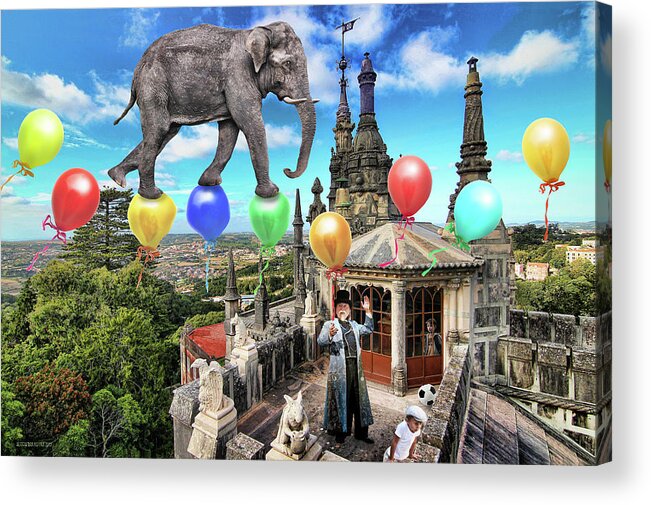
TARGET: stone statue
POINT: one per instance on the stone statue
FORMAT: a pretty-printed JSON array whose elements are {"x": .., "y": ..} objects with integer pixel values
[
  {"x": 240, "y": 331},
  {"x": 216, "y": 422},
  {"x": 294, "y": 430},
  {"x": 309, "y": 304},
  {"x": 211, "y": 385},
  {"x": 207, "y": 73}
]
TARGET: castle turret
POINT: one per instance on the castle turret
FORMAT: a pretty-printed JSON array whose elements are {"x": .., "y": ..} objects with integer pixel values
[{"x": 473, "y": 165}]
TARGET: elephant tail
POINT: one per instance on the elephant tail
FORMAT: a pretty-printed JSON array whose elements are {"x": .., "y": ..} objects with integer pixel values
[{"x": 132, "y": 100}]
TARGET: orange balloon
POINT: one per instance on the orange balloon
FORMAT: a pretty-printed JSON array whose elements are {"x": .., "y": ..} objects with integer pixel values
[{"x": 330, "y": 239}]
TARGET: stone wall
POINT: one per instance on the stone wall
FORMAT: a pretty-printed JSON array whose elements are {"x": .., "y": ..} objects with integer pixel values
[
  {"x": 276, "y": 357},
  {"x": 559, "y": 367},
  {"x": 442, "y": 432}
]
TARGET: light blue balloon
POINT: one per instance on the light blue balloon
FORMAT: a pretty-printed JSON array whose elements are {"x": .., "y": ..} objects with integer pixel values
[{"x": 477, "y": 210}]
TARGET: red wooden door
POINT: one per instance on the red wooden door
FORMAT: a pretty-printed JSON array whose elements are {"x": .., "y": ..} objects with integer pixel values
[{"x": 424, "y": 337}]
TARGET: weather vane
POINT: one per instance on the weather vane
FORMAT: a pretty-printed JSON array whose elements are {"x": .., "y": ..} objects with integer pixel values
[{"x": 345, "y": 27}]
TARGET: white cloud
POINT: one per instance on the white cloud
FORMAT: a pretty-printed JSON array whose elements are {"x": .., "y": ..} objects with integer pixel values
[
  {"x": 536, "y": 52},
  {"x": 424, "y": 64},
  {"x": 11, "y": 142},
  {"x": 583, "y": 138},
  {"x": 606, "y": 54},
  {"x": 64, "y": 98},
  {"x": 510, "y": 156},
  {"x": 212, "y": 15},
  {"x": 139, "y": 28}
]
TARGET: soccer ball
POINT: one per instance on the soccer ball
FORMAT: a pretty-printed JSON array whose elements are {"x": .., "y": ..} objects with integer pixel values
[{"x": 426, "y": 394}]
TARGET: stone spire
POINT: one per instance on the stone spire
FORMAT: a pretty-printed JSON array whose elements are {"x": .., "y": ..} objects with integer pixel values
[
  {"x": 261, "y": 302},
  {"x": 231, "y": 297},
  {"x": 317, "y": 206},
  {"x": 473, "y": 165},
  {"x": 299, "y": 279},
  {"x": 366, "y": 79}
]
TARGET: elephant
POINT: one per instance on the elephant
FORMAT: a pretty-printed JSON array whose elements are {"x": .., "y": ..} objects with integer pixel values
[{"x": 208, "y": 73}]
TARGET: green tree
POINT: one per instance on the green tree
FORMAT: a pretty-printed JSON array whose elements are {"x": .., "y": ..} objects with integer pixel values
[
  {"x": 12, "y": 414},
  {"x": 115, "y": 425},
  {"x": 557, "y": 259},
  {"x": 105, "y": 241},
  {"x": 54, "y": 400},
  {"x": 74, "y": 442}
]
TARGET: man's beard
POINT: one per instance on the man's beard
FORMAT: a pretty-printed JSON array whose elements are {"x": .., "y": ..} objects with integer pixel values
[{"x": 343, "y": 315}]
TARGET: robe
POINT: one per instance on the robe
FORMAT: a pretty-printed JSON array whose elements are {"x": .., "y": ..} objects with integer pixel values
[{"x": 336, "y": 405}]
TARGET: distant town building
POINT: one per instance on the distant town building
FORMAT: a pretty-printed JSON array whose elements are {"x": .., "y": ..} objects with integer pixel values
[
  {"x": 592, "y": 242},
  {"x": 537, "y": 271},
  {"x": 592, "y": 254},
  {"x": 520, "y": 271}
]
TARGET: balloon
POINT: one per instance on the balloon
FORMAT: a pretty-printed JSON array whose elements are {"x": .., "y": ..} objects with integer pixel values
[
  {"x": 151, "y": 220},
  {"x": 546, "y": 148},
  {"x": 269, "y": 218},
  {"x": 608, "y": 150},
  {"x": 75, "y": 199},
  {"x": 410, "y": 184},
  {"x": 477, "y": 210},
  {"x": 39, "y": 138},
  {"x": 330, "y": 239},
  {"x": 208, "y": 211}
]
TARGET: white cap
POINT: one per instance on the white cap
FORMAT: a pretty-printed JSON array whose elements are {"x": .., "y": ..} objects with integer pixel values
[{"x": 417, "y": 413}]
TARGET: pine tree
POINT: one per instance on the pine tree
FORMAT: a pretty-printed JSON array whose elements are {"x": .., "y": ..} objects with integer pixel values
[{"x": 105, "y": 241}]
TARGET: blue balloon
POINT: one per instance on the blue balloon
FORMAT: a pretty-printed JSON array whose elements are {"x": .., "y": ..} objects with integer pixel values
[
  {"x": 477, "y": 210},
  {"x": 208, "y": 211}
]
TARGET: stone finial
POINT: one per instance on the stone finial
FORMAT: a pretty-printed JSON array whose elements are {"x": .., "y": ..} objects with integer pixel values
[
  {"x": 298, "y": 214},
  {"x": 231, "y": 283},
  {"x": 317, "y": 206}
]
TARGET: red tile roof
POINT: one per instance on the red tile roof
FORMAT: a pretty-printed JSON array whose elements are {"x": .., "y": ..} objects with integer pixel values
[{"x": 211, "y": 339}]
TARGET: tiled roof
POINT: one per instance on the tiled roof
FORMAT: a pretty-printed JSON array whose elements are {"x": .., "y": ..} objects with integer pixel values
[
  {"x": 211, "y": 339},
  {"x": 498, "y": 432},
  {"x": 378, "y": 246}
]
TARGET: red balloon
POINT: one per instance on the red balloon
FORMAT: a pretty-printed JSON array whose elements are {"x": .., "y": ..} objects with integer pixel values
[
  {"x": 410, "y": 184},
  {"x": 75, "y": 199}
]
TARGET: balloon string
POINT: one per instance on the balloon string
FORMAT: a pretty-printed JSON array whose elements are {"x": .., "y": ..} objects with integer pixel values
[
  {"x": 458, "y": 241},
  {"x": 432, "y": 256},
  {"x": 404, "y": 222},
  {"x": 208, "y": 247},
  {"x": 150, "y": 255},
  {"x": 266, "y": 252},
  {"x": 607, "y": 186},
  {"x": 332, "y": 274},
  {"x": 24, "y": 170},
  {"x": 553, "y": 186},
  {"x": 61, "y": 235}
]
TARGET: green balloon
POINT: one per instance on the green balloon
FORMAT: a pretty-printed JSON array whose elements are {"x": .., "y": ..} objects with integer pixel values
[
  {"x": 40, "y": 137},
  {"x": 269, "y": 218}
]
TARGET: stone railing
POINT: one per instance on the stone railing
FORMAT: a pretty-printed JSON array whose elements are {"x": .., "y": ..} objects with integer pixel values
[
  {"x": 559, "y": 367},
  {"x": 442, "y": 432}
]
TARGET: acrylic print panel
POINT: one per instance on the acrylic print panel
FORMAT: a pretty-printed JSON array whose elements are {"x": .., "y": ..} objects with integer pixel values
[{"x": 238, "y": 150}]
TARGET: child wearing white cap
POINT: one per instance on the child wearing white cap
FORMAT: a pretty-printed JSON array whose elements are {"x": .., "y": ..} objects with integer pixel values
[{"x": 406, "y": 436}]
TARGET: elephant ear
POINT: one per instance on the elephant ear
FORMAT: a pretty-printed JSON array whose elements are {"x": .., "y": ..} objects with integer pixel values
[{"x": 257, "y": 45}]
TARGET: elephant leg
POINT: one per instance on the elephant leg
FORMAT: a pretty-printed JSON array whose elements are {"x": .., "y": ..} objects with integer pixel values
[
  {"x": 130, "y": 163},
  {"x": 228, "y": 132},
  {"x": 155, "y": 127},
  {"x": 248, "y": 118}
]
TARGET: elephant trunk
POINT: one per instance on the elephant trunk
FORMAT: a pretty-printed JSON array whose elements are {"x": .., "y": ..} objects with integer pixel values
[{"x": 307, "y": 114}]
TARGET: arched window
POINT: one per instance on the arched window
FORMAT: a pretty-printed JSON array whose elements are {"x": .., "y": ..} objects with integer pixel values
[
  {"x": 380, "y": 299},
  {"x": 423, "y": 325}
]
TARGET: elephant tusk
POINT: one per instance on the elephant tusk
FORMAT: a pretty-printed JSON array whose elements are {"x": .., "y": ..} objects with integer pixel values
[
  {"x": 294, "y": 101},
  {"x": 315, "y": 100}
]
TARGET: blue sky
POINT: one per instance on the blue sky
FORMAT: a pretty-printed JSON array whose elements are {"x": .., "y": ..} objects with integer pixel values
[{"x": 535, "y": 60}]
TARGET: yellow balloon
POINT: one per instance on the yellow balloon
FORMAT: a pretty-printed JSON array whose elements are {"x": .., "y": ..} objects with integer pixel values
[
  {"x": 330, "y": 239},
  {"x": 546, "y": 148},
  {"x": 151, "y": 220},
  {"x": 608, "y": 150}
]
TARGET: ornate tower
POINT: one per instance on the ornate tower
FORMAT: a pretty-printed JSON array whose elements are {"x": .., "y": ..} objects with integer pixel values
[
  {"x": 231, "y": 302},
  {"x": 368, "y": 164},
  {"x": 473, "y": 165},
  {"x": 491, "y": 289},
  {"x": 299, "y": 279}
]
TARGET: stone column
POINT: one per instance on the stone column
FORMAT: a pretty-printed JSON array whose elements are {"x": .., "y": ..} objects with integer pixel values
[
  {"x": 398, "y": 338},
  {"x": 452, "y": 312},
  {"x": 460, "y": 308}
]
